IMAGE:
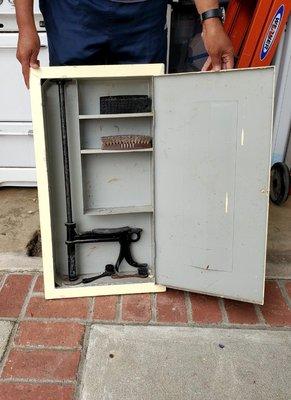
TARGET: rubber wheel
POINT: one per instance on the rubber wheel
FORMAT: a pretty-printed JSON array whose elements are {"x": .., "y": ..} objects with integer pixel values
[{"x": 280, "y": 183}]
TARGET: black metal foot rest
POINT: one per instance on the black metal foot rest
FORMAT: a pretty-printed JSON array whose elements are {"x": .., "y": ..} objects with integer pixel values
[{"x": 124, "y": 236}]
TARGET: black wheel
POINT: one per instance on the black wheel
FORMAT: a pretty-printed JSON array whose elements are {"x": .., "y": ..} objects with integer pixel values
[{"x": 280, "y": 183}]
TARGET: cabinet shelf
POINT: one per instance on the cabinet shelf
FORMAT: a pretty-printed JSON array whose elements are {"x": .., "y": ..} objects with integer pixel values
[
  {"x": 119, "y": 210},
  {"x": 100, "y": 151},
  {"x": 111, "y": 116}
]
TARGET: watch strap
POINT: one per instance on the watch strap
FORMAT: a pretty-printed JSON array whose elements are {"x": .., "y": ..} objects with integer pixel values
[{"x": 213, "y": 13}]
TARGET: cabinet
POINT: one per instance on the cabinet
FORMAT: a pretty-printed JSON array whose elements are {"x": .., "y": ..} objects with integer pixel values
[
  {"x": 200, "y": 194},
  {"x": 17, "y": 165}
]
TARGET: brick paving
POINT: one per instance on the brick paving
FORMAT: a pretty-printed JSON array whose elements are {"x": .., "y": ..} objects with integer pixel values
[
  {"x": 171, "y": 307},
  {"x": 46, "y": 351},
  {"x": 136, "y": 308},
  {"x": 205, "y": 309},
  {"x": 288, "y": 288}
]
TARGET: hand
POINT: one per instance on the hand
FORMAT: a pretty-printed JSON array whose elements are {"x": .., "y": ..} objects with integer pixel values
[
  {"x": 27, "y": 52},
  {"x": 218, "y": 46}
]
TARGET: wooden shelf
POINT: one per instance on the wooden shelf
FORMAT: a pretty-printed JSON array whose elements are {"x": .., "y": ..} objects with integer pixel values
[
  {"x": 110, "y": 116},
  {"x": 120, "y": 210},
  {"x": 100, "y": 151}
]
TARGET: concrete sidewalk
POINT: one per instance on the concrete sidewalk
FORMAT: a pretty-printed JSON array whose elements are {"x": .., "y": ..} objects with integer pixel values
[{"x": 170, "y": 363}]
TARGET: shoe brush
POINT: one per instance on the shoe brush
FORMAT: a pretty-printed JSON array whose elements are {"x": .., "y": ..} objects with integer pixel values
[{"x": 126, "y": 142}]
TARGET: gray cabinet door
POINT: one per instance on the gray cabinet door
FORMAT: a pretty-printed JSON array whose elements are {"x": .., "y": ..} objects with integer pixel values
[{"x": 212, "y": 162}]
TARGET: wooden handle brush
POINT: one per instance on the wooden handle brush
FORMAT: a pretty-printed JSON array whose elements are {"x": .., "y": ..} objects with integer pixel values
[{"x": 126, "y": 142}]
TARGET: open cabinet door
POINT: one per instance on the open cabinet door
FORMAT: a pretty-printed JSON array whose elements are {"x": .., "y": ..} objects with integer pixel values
[{"x": 212, "y": 163}]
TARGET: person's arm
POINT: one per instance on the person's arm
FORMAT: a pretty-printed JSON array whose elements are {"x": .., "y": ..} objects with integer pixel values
[
  {"x": 216, "y": 41},
  {"x": 28, "y": 39}
]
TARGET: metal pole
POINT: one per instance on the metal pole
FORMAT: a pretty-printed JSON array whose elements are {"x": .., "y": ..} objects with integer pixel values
[
  {"x": 66, "y": 161},
  {"x": 61, "y": 86}
]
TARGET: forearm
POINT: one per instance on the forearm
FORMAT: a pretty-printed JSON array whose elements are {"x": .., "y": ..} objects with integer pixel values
[
  {"x": 204, "y": 5},
  {"x": 216, "y": 40},
  {"x": 28, "y": 40},
  {"x": 24, "y": 15}
]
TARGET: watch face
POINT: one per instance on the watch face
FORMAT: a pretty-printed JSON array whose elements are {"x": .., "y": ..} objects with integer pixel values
[{"x": 223, "y": 13}]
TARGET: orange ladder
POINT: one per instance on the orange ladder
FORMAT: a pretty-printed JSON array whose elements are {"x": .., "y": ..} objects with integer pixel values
[{"x": 255, "y": 28}]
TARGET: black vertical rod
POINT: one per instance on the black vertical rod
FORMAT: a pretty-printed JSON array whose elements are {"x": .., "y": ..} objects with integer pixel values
[
  {"x": 61, "y": 85},
  {"x": 70, "y": 225}
]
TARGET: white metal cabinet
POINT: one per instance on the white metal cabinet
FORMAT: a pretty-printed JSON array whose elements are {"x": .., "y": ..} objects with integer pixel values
[
  {"x": 16, "y": 150},
  {"x": 205, "y": 222},
  {"x": 14, "y": 103},
  {"x": 16, "y": 142},
  {"x": 7, "y": 16},
  {"x": 17, "y": 164}
]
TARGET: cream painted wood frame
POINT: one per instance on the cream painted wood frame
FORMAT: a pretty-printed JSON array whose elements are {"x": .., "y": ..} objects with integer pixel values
[{"x": 74, "y": 72}]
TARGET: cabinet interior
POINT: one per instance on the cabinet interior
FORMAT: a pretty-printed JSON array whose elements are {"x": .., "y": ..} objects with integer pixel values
[{"x": 110, "y": 188}]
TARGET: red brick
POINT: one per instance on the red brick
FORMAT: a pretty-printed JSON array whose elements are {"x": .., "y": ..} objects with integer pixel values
[
  {"x": 13, "y": 294},
  {"x": 26, "y": 391},
  {"x": 41, "y": 364},
  {"x": 275, "y": 310},
  {"x": 288, "y": 288},
  {"x": 38, "y": 307},
  {"x": 39, "y": 287},
  {"x": 240, "y": 313},
  {"x": 105, "y": 308},
  {"x": 67, "y": 334},
  {"x": 136, "y": 308},
  {"x": 205, "y": 309},
  {"x": 171, "y": 307}
]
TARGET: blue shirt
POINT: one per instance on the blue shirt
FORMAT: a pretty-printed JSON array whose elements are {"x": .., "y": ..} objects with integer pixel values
[{"x": 127, "y": 1}]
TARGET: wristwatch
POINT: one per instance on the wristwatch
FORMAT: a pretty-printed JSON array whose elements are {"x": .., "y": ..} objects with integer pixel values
[{"x": 214, "y": 13}]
